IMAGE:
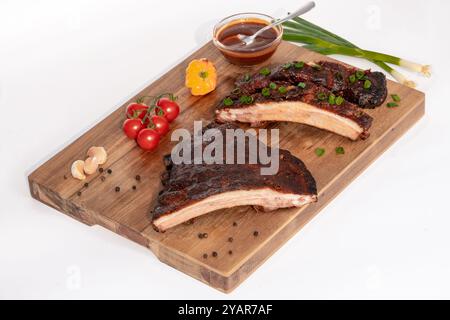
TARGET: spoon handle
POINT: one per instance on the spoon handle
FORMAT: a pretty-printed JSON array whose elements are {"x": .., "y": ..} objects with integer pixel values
[{"x": 294, "y": 14}]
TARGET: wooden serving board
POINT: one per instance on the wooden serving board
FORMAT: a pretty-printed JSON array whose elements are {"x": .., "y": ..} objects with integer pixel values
[{"x": 126, "y": 212}]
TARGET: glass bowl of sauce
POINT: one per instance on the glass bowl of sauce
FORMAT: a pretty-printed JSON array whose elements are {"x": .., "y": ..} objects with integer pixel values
[{"x": 225, "y": 38}]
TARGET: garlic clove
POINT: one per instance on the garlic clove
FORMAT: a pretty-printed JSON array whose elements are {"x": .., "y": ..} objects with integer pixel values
[
  {"x": 77, "y": 170},
  {"x": 98, "y": 153},
  {"x": 90, "y": 165}
]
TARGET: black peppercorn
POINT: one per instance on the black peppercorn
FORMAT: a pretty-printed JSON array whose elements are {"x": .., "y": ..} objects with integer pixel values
[
  {"x": 200, "y": 235},
  {"x": 134, "y": 187},
  {"x": 100, "y": 170},
  {"x": 109, "y": 171},
  {"x": 214, "y": 254},
  {"x": 205, "y": 256},
  {"x": 117, "y": 189},
  {"x": 79, "y": 193},
  {"x": 230, "y": 252},
  {"x": 230, "y": 239},
  {"x": 234, "y": 224},
  {"x": 256, "y": 233},
  {"x": 205, "y": 235},
  {"x": 86, "y": 185},
  {"x": 138, "y": 178}
]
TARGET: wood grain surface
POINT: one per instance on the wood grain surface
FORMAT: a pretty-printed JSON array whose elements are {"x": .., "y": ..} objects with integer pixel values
[{"x": 126, "y": 212}]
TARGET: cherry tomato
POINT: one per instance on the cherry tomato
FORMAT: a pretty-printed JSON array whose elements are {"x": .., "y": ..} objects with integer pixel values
[
  {"x": 169, "y": 108},
  {"x": 161, "y": 125},
  {"x": 131, "y": 127},
  {"x": 136, "y": 110},
  {"x": 148, "y": 139}
]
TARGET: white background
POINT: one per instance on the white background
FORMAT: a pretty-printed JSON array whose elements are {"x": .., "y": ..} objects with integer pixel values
[{"x": 64, "y": 65}]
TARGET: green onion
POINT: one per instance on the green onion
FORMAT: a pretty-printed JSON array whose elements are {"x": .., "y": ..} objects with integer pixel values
[
  {"x": 287, "y": 65},
  {"x": 392, "y": 104},
  {"x": 339, "y": 100},
  {"x": 331, "y": 99},
  {"x": 325, "y": 42},
  {"x": 340, "y": 150},
  {"x": 367, "y": 84},
  {"x": 301, "y": 85},
  {"x": 316, "y": 67},
  {"x": 265, "y": 92},
  {"x": 265, "y": 71},
  {"x": 282, "y": 90},
  {"x": 395, "y": 97},
  {"x": 359, "y": 74},
  {"x": 247, "y": 77},
  {"x": 272, "y": 86},
  {"x": 246, "y": 99},
  {"x": 319, "y": 152},
  {"x": 227, "y": 101},
  {"x": 236, "y": 91},
  {"x": 299, "y": 64},
  {"x": 321, "y": 96},
  {"x": 352, "y": 78}
]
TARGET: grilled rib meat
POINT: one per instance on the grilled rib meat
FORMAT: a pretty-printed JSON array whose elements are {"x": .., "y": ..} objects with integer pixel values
[
  {"x": 344, "y": 81},
  {"x": 191, "y": 190},
  {"x": 312, "y": 105}
]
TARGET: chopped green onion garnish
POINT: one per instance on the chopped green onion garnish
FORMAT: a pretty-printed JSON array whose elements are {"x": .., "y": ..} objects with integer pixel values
[
  {"x": 316, "y": 67},
  {"x": 299, "y": 64},
  {"x": 236, "y": 91},
  {"x": 265, "y": 92},
  {"x": 352, "y": 78},
  {"x": 272, "y": 86},
  {"x": 392, "y": 104},
  {"x": 265, "y": 71},
  {"x": 247, "y": 77},
  {"x": 287, "y": 65},
  {"x": 339, "y": 100},
  {"x": 227, "y": 101},
  {"x": 301, "y": 85},
  {"x": 282, "y": 89},
  {"x": 321, "y": 96},
  {"x": 246, "y": 99},
  {"x": 367, "y": 84},
  {"x": 340, "y": 150},
  {"x": 359, "y": 74},
  {"x": 331, "y": 99},
  {"x": 395, "y": 97},
  {"x": 319, "y": 152}
]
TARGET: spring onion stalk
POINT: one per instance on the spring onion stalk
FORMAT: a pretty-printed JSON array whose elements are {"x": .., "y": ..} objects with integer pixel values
[{"x": 325, "y": 42}]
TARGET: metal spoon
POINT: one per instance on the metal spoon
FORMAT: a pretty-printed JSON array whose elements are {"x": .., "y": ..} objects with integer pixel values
[{"x": 250, "y": 39}]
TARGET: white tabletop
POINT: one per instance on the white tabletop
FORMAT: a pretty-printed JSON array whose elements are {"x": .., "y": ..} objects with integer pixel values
[{"x": 64, "y": 65}]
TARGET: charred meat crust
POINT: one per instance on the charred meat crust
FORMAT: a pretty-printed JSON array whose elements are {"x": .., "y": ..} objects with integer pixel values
[
  {"x": 308, "y": 95},
  {"x": 333, "y": 76},
  {"x": 186, "y": 184}
]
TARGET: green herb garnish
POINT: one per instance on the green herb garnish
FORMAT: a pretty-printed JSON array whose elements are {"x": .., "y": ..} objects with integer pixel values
[
  {"x": 316, "y": 67},
  {"x": 299, "y": 64},
  {"x": 246, "y": 99},
  {"x": 228, "y": 101},
  {"x": 203, "y": 74},
  {"x": 301, "y": 85},
  {"x": 395, "y": 97},
  {"x": 331, "y": 99},
  {"x": 339, "y": 100},
  {"x": 392, "y": 104},
  {"x": 321, "y": 96},
  {"x": 352, "y": 78},
  {"x": 367, "y": 84},
  {"x": 359, "y": 74},
  {"x": 272, "y": 86},
  {"x": 319, "y": 152},
  {"x": 265, "y": 71},
  {"x": 287, "y": 65},
  {"x": 340, "y": 150},
  {"x": 282, "y": 90},
  {"x": 247, "y": 77},
  {"x": 265, "y": 92}
]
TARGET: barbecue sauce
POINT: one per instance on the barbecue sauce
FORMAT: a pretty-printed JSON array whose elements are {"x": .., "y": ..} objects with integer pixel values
[{"x": 238, "y": 53}]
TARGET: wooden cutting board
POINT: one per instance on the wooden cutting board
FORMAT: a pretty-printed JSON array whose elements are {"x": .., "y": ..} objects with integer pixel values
[{"x": 126, "y": 212}]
